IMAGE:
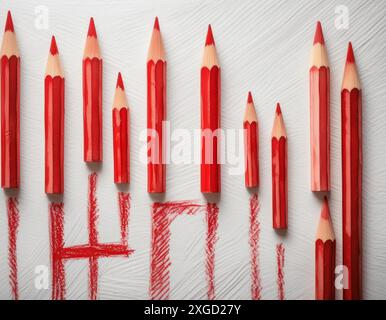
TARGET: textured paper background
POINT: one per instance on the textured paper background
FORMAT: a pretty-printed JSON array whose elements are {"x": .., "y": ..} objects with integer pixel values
[{"x": 263, "y": 46}]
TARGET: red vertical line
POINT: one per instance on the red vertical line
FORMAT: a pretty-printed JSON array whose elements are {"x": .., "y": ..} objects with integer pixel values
[
  {"x": 13, "y": 225},
  {"x": 279, "y": 173},
  {"x": 280, "y": 259},
  {"x": 254, "y": 237},
  {"x": 93, "y": 235},
  {"x": 54, "y": 123},
  {"x": 121, "y": 136},
  {"x": 92, "y": 97},
  {"x": 320, "y": 114},
  {"x": 352, "y": 162},
  {"x": 325, "y": 247},
  {"x": 124, "y": 211},
  {"x": 156, "y": 113},
  {"x": 10, "y": 108},
  {"x": 210, "y": 118},
  {"x": 211, "y": 238},
  {"x": 57, "y": 244}
]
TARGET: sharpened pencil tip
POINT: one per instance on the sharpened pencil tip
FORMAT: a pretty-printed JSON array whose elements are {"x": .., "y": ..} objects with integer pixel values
[
  {"x": 350, "y": 54},
  {"x": 156, "y": 24},
  {"x": 209, "y": 37},
  {"x": 91, "y": 29},
  {"x": 325, "y": 209},
  {"x": 250, "y": 99},
  {"x": 54, "y": 48},
  {"x": 278, "y": 109},
  {"x": 319, "y": 38},
  {"x": 120, "y": 82},
  {"x": 9, "y": 23}
]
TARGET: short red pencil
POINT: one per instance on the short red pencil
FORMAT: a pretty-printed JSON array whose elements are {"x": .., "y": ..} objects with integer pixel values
[
  {"x": 92, "y": 97},
  {"x": 10, "y": 108},
  {"x": 54, "y": 123},
  {"x": 121, "y": 134},
  {"x": 279, "y": 173},
  {"x": 320, "y": 114},
  {"x": 352, "y": 162},
  {"x": 156, "y": 113},
  {"x": 251, "y": 145},
  {"x": 210, "y": 118},
  {"x": 325, "y": 251}
]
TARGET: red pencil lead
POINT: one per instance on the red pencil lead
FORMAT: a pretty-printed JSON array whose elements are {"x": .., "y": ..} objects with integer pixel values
[
  {"x": 325, "y": 209},
  {"x": 120, "y": 82},
  {"x": 278, "y": 109},
  {"x": 91, "y": 28},
  {"x": 319, "y": 38},
  {"x": 250, "y": 99},
  {"x": 156, "y": 24},
  {"x": 350, "y": 54},
  {"x": 54, "y": 48},
  {"x": 9, "y": 23},
  {"x": 209, "y": 37}
]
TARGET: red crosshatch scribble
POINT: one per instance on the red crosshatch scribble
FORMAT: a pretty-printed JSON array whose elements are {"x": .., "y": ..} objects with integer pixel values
[
  {"x": 163, "y": 214},
  {"x": 254, "y": 237},
  {"x": 13, "y": 225},
  {"x": 280, "y": 259},
  {"x": 92, "y": 250}
]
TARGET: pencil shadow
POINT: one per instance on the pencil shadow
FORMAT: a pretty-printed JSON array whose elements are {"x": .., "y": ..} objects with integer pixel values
[
  {"x": 157, "y": 197},
  {"x": 95, "y": 166},
  {"x": 12, "y": 193},
  {"x": 55, "y": 198},
  {"x": 282, "y": 232},
  {"x": 212, "y": 197},
  {"x": 123, "y": 187}
]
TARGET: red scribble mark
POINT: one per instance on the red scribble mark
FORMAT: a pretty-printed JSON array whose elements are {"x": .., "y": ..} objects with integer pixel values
[
  {"x": 13, "y": 225},
  {"x": 163, "y": 214},
  {"x": 254, "y": 237},
  {"x": 280, "y": 258},
  {"x": 93, "y": 250}
]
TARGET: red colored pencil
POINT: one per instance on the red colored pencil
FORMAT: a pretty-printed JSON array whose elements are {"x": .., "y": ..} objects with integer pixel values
[
  {"x": 54, "y": 123},
  {"x": 251, "y": 145},
  {"x": 210, "y": 118},
  {"x": 325, "y": 248},
  {"x": 10, "y": 108},
  {"x": 121, "y": 134},
  {"x": 352, "y": 177},
  {"x": 92, "y": 97},
  {"x": 279, "y": 173},
  {"x": 156, "y": 113},
  {"x": 320, "y": 114}
]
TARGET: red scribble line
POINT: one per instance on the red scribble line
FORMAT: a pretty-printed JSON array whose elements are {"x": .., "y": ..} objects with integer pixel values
[
  {"x": 254, "y": 236},
  {"x": 13, "y": 225},
  {"x": 93, "y": 250},
  {"x": 280, "y": 258},
  {"x": 211, "y": 238},
  {"x": 163, "y": 214}
]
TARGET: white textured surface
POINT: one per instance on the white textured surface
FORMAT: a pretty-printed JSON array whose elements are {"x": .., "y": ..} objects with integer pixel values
[{"x": 263, "y": 46}]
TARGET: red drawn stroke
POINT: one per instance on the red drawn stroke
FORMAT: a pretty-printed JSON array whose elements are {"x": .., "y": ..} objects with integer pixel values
[
  {"x": 163, "y": 214},
  {"x": 13, "y": 225},
  {"x": 280, "y": 258},
  {"x": 93, "y": 250},
  {"x": 254, "y": 237}
]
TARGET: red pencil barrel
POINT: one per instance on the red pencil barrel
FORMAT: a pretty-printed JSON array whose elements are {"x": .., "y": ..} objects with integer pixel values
[
  {"x": 10, "y": 122},
  {"x": 251, "y": 150},
  {"x": 352, "y": 191},
  {"x": 54, "y": 134},
  {"x": 92, "y": 109},
  {"x": 156, "y": 116},
  {"x": 121, "y": 145},
  {"x": 210, "y": 130},
  {"x": 279, "y": 183},
  {"x": 325, "y": 270},
  {"x": 320, "y": 128}
]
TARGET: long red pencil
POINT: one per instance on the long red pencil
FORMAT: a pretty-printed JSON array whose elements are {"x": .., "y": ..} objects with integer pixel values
[
  {"x": 92, "y": 97},
  {"x": 279, "y": 173},
  {"x": 156, "y": 113},
  {"x": 352, "y": 177},
  {"x": 10, "y": 108},
  {"x": 320, "y": 114},
  {"x": 121, "y": 134},
  {"x": 251, "y": 145},
  {"x": 325, "y": 248},
  {"x": 210, "y": 118},
  {"x": 54, "y": 123}
]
